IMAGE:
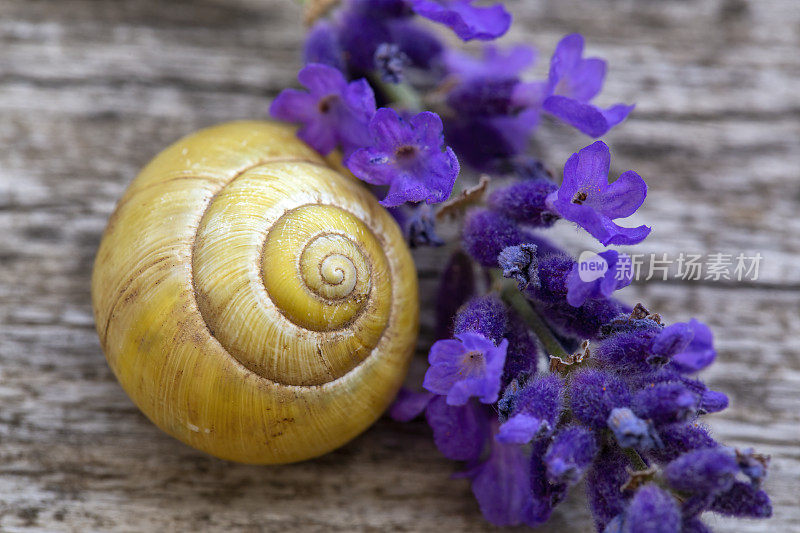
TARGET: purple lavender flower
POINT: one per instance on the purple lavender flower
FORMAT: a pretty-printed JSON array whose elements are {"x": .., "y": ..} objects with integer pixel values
[
  {"x": 469, "y": 366},
  {"x": 572, "y": 83},
  {"x": 708, "y": 471},
  {"x": 467, "y": 21},
  {"x": 570, "y": 454},
  {"x": 333, "y": 112},
  {"x": 652, "y": 510},
  {"x": 495, "y": 62},
  {"x": 583, "y": 282},
  {"x": 586, "y": 198},
  {"x": 408, "y": 156}
]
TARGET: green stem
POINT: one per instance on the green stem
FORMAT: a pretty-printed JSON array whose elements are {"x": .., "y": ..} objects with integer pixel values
[
  {"x": 521, "y": 304},
  {"x": 635, "y": 458},
  {"x": 402, "y": 94}
]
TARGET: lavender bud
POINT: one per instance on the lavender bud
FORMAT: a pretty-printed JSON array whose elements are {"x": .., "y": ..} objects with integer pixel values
[
  {"x": 594, "y": 394},
  {"x": 631, "y": 431},
  {"x": 520, "y": 263},
  {"x": 708, "y": 470}
]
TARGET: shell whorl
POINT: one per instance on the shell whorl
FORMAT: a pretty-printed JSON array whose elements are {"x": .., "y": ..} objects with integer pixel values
[{"x": 252, "y": 301}]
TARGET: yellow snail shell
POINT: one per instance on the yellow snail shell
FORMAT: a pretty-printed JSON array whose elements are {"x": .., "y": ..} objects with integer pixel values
[{"x": 253, "y": 302}]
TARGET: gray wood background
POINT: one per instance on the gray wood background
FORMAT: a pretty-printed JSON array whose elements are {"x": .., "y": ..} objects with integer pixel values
[{"x": 90, "y": 90}]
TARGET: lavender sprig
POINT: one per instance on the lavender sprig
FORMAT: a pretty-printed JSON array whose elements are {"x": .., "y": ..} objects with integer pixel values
[{"x": 542, "y": 381}]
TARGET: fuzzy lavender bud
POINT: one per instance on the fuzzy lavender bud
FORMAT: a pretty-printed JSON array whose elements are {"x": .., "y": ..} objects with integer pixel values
[
  {"x": 594, "y": 394},
  {"x": 525, "y": 202},
  {"x": 709, "y": 470},
  {"x": 570, "y": 454}
]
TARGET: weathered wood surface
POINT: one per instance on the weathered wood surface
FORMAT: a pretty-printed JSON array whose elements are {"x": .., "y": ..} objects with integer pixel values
[{"x": 90, "y": 90}]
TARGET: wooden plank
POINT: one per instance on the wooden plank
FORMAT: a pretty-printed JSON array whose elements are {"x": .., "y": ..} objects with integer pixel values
[{"x": 90, "y": 90}]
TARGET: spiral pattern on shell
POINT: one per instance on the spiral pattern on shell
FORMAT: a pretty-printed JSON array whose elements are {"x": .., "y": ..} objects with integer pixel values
[{"x": 253, "y": 302}]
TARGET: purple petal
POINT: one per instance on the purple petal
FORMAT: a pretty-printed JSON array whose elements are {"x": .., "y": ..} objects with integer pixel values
[
  {"x": 624, "y": 196},
  {"x": 441, "y": 379},
  {"x": 445, "y": 350},
  {"x": 429, "y": 129},
  {"x": 474, "y": 341},
  {"x": 616, "y": 114},
  {"x": 569, "y": 455},
  {"x": 565, "y": 57},
  {"x": 360, "y": 98},
  {"x": 292, "y": 105},
  {"x": 404, "y": 189},
  {"x": 592, "y": 166},
  {"x": 584, "y": 81},
  {"x": 409, "y": 405},
  {"x": 586, "y": 118},
  {"x": 619, "y": 236},
  {"x": 467, "y": 21},
  {"x": 360, "y": 34},
  {"x": 321, "y": 79},
  {"x": 370, "y": 166},
  {"x": 442, "y": 170},
  {"x": 388, "y": 129},
  {"x": 319, "y": 134},
  {"x": 502, "y": 485},
  {"x": 460, "y": 432},
  {"x": 700, "y": 353}
]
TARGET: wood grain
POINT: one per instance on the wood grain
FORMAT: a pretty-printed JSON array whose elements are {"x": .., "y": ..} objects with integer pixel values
[{"x": 91, "y": 90}]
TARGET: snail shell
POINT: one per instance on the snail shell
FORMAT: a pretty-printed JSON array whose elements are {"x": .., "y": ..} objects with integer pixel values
[{"x": 253, "y": 302}]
